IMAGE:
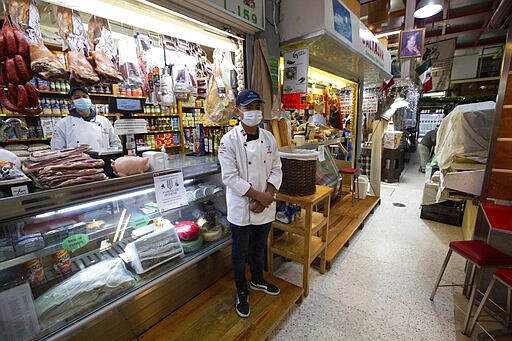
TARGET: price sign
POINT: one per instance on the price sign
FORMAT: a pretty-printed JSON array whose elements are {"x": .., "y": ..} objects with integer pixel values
[
  {"x": 294, "y": 101},
  {"x": 250, "y": 11},
  {"x": 169, "y": 190}
]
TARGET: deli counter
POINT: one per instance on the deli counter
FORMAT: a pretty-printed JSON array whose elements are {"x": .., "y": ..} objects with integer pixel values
[{"x": 100, "y": 260}]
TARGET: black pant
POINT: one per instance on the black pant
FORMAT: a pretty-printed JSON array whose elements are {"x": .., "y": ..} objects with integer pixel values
[{"x": 250, "y": 241}]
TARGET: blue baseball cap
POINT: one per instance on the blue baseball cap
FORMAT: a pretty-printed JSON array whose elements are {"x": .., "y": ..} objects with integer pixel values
[
  {"x": 247, "y": 96},
  {"x": 75, "y": 88}
]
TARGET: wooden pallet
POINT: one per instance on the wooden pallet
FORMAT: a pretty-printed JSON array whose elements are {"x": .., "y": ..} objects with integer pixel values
[
  {"x": 211, "y": 315},
  {"x": 345, "y": 219}
]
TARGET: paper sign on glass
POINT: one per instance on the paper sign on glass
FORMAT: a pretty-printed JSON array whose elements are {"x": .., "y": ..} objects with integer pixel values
[
  {"x": 18, "y": 319},
  {"x": 169, "y": 190}
]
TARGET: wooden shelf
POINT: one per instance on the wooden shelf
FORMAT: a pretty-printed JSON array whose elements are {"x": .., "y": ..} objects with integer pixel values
[
  {"x": 307, "y": 234},
  {"x": 292, "y": 246},
  {"x": 91, "y": 94},
  {"x": 31, "y": 139},
  {"x": 318, "y": 220},
  {"x": 160, "y": 132}
]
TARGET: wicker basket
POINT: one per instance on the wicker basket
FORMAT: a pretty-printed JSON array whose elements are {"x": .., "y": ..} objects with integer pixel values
[{"x": 299, "y": 172}]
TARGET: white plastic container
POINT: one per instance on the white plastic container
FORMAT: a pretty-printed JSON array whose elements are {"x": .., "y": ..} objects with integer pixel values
[
  {"x": 362, "y": 186},
  {"x": 153, "y": 249}
]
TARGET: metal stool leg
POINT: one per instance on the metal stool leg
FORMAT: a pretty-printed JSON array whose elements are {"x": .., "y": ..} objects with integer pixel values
[
  {"x": 471, "y": 327},
  {"x": 474, "y": 290},
  {"x": 446, "y": 259}
]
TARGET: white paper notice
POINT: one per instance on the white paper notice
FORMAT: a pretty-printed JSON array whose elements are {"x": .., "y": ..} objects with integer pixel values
[
  {"x": 18, "y": 319},
  {"x": 296, "y": 71},
  {"x": 169, "y": 190}
]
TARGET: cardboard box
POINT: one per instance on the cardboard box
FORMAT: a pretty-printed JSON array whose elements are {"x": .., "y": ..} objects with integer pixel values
[{"x": 391, "y": 139}]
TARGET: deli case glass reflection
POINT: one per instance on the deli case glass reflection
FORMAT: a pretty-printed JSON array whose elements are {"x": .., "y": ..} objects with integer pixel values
[{"x": 71, "y": 253}]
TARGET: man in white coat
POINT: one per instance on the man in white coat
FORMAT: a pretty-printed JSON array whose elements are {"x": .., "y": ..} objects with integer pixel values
[
  {"x": 83, "y": 126},
  {"x": 251, "y": 171}
]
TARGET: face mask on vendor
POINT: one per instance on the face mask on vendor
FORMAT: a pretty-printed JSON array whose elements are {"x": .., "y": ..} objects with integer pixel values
[
  {"x": 251, "y": 115},
  {"x": 81, "y": 101}
]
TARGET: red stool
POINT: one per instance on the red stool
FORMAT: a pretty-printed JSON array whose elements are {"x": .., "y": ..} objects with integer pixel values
[
  {"x": 504, "y": 276},
  {"x": 481, "y": 255},
  {"x": 354, "y": 172}
]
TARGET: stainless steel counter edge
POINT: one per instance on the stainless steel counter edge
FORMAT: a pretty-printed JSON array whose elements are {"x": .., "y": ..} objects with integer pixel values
[
  {"x": 82, "y": 323},
  {"x": 38, "y": 202}
]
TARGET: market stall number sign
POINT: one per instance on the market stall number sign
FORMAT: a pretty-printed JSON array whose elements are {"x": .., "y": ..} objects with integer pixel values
[
  {"x": 169, "y": 190},
  {"x": 250, "y": 11}
]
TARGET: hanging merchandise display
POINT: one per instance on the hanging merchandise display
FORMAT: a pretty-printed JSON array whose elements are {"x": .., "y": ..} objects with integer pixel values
[{"x": 220, "y": 103}]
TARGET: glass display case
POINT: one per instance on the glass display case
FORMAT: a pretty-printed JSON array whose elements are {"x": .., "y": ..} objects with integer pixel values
[{"x": 75, "y": 252}]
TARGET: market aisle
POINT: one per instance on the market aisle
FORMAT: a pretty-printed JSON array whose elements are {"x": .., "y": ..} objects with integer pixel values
[{"x": 379, "y": 287}]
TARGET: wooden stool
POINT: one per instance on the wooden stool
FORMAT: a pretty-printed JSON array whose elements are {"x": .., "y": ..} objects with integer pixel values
[
  {"x": 354, "y": 173},
  {"x": 481, "y": 255},
  {"x": 504, "y": 276}
]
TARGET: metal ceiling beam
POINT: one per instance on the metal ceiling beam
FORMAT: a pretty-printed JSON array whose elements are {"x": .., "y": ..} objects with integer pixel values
[
  {"x": 454, "y": 30},
  {"x": 457, "y": 13},
  {"x": 484, "y": 42}
]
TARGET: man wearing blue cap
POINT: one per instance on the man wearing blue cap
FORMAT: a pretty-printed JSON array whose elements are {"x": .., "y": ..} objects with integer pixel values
[
  {"x": 83, "y": 126},
  {"x": 251, "y": 171}
]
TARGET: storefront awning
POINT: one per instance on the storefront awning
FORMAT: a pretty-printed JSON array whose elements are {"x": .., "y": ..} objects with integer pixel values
[{"x": 337, "y": 40}]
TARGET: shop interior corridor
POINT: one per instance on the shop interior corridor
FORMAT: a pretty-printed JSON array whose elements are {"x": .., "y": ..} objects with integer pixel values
[{"x": 378, "y": 288}]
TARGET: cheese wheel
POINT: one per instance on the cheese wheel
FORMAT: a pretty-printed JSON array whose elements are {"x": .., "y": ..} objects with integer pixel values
[
  {"x": 212, "y": 234},
  {"x": 187, "y": 230},
  {"x": 193, "y": 245}
]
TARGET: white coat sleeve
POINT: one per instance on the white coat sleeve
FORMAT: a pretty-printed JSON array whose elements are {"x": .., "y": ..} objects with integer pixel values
[
  {"x": 230, "y": 173},
  {"x": 276, "y": 173},
  {"x": 114, "y": 140},
  {"x": 58, "y": 140}
]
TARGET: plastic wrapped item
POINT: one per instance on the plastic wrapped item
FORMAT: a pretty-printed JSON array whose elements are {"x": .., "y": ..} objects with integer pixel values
[
  {"x": 105, "y": 68},
  {"x": 72, "y": 30},
  {"x": 24, "y": 15},
  {"x": 154, "y": 249},
  {"x": 167, "y": 98},
  {"x": 184, "y": 80},
  {"x": 465, "y": 133},
  {"x": 83, "y": 291},
  {"x": 100, "y": 36},
  {"x": 221, "y": 102},
  {"x": 128, "y": 62}
]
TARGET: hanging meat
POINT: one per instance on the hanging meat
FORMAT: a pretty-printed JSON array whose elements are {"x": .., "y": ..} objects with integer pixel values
[
  {"x": 21, "y": 95},
  {"x": 73, "y": 32},
  {"x": 82, "y": 71},
  {"x": 106, "y": 69},
  {"x": 45, "y": 64}
]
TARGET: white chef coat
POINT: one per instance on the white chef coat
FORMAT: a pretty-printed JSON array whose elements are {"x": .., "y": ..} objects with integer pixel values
[
  {"x": 73, "y": 131},
  {"x": 245, "y": 164}
]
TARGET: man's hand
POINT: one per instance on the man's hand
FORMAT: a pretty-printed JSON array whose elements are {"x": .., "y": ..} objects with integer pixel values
[
  {"x": 256, "y": 206},
  {"x": 265, "y": 198}
]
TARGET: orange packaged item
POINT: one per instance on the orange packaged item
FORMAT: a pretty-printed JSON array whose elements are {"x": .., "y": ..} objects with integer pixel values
[
  {"x": 61, "y": 262},
  {"x": 35, "y": 271}
]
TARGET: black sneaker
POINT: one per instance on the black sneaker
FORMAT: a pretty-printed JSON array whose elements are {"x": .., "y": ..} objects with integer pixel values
[
  {"x": 265, "y": 286},
  {"x": 242, "y": 304}
]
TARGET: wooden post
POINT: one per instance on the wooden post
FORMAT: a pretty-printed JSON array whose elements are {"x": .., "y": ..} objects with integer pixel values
[{"x": 375, "y": 172}]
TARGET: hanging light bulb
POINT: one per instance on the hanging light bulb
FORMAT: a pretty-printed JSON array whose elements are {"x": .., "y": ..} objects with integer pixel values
[{"x": 428, "y": 8}]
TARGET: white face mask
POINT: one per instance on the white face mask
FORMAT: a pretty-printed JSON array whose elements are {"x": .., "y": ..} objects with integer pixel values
[{"x": 252, "y": 117}]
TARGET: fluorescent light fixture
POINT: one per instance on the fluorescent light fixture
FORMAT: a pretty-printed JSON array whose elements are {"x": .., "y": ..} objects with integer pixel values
[
  {"x": 435, "y": 94},
  {"x": 97, "y": 202},
  {"x": 147, "y": 16},
  {"x": 387, "y": 34},
  {"x": 428, "y": 8},
  {"x": 399, "y": 103}
]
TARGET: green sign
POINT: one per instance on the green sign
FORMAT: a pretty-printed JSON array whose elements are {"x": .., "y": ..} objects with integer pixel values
[
  {"x": 75, "y": 242},
  {"x": 274, "y": 73}
]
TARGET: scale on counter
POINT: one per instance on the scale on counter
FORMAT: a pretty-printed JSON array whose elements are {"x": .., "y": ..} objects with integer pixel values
[{"x": 128, "y": 126}]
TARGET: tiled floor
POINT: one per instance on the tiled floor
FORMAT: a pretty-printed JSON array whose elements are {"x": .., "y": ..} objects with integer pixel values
[{"x": 379, "y": 287}]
